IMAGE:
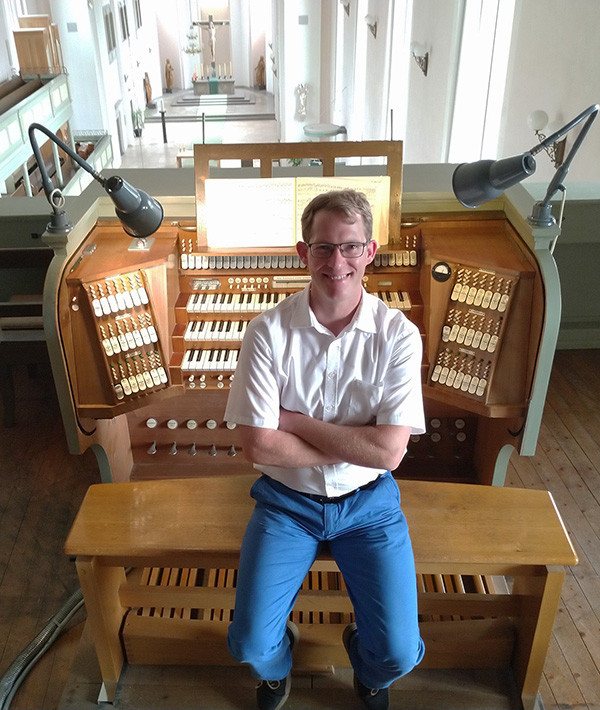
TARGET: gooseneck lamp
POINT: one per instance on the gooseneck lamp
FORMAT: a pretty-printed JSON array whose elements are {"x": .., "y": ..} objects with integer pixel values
[
  {"x": 139, "y": 214},
  {"x": 483, "y": 180}
]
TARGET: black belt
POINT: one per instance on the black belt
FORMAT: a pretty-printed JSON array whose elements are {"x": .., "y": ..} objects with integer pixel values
[{"x": 336, "y": 499}]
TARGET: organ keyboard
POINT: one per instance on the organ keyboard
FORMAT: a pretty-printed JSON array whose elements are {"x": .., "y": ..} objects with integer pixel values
[
  {"x": 228, "y": 330},
  {"x": 257, "y": 302},
  {"x": 233, "y": 302},
  {"x": 151, "y": 339},
  {"x": 214, "y": 360}
]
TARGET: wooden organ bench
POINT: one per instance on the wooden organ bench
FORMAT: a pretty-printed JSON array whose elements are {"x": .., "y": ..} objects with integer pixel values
[{"x": 489, "y": 566}]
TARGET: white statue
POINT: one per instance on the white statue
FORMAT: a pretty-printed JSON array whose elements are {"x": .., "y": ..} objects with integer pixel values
[{"x": 301, "y": 93}]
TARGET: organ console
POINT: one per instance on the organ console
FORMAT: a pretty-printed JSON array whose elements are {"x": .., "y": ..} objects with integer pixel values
[{"x": 146, "y": 343}]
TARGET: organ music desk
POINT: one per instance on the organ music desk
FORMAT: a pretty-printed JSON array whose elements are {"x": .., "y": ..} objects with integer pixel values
[{"x": 143, "y": 344}]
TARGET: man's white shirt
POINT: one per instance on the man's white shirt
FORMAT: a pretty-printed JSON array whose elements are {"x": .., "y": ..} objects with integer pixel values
[{"x": 369, "y": 373}]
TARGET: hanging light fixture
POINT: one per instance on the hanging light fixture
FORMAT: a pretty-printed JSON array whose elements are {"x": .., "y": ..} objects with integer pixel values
[{"x": 193, "y": 40}]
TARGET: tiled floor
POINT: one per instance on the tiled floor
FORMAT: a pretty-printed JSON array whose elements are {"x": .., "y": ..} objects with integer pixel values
[{"x": 249, "y": 120}]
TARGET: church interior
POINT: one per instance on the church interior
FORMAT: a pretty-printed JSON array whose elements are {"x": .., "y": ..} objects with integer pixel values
[{"x": 124, "y": 486}]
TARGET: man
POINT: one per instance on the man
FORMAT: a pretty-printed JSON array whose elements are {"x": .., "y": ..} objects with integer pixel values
[{"x": 326, "y": 394}]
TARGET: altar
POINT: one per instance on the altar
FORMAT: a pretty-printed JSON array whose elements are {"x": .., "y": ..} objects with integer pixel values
[{"x": 213, "y": 85}]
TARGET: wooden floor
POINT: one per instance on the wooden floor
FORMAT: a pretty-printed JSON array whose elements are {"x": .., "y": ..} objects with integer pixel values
[{"x": 42, "y": 485}]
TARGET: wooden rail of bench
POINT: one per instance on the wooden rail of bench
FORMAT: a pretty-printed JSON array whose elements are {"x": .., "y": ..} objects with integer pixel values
[{"x": 194, "y": 528}]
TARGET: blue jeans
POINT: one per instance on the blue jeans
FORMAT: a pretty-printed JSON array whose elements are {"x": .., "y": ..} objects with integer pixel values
[{"x": 368, "y": 537}]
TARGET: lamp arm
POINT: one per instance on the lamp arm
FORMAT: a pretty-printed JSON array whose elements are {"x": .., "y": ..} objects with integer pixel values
[
  {"x": 46, "y": 182},
  {"x": 561, "y": 173}
]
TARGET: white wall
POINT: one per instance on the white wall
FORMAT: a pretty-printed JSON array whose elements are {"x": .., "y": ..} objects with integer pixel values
[
  {"x": 376, "y": 70},
  {"x": 242, "y": 48},
  {"x": 299, "y": 62},
  {"x": 86, "y": 82},
  {"x": 8, "y": 52},
  {"x": 436, "y": 25},
  {"x": 554, "y": 66},
  {"x": 172, "y": 24}
]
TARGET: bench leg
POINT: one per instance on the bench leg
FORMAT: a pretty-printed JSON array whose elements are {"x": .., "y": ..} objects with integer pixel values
[
  {"x": 100, "y": 587},
  {"x": 541, "y": 597}
]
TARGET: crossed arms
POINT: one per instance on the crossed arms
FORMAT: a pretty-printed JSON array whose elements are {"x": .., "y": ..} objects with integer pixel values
[{"x": 301, "y": 441}]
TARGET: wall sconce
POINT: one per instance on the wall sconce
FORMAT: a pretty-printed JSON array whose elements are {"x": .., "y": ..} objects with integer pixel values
[
  {"x": 537, "y": 121},
  {"x": 421, "y": 56},
  {"x": 346, "y": 6},
  {"x": 371, "y": 21}
]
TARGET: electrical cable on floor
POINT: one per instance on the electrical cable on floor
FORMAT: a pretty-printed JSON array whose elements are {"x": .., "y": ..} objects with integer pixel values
[{"x": 31, "y": 654}]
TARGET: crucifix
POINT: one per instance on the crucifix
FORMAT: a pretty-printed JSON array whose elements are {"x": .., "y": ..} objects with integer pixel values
[{"x": 211, "y": 28}]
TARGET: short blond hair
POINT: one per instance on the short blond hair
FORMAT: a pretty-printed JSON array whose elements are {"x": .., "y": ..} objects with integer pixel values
[{"x": 350, "y": 203}]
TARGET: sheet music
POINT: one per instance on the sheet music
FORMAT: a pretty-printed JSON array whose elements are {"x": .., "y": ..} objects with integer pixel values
[
  {"x": 250, "y": 212},
  {"x": 375, "y": 188},
  {"x": 258, "y": 212}
]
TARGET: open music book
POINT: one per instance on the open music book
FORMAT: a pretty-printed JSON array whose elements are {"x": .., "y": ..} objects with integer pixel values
[{"x": 266, "y": 212}]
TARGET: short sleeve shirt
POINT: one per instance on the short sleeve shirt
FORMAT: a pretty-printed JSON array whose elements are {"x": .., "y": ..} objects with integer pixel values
[{"x": 368, "y": 374}]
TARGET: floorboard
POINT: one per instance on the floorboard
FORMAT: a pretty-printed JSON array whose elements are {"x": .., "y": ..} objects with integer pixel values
[{"x": 42, "y": 486}]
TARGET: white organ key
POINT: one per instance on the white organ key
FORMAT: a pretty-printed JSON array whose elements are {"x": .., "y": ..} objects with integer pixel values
[
  {"x": 189, "y": 330},
  {"x": 196, "y": 305},
  {"x": 189, "y": 358},
  {"x": 185, "y": 365},
  {"x": 209, "y": 302},
  {"x": 204, "y": 333},
  {"x": 213, "y": 360},
  {"x": 198, "y": 332},
  {"x": 390, "y": 298},
  {"x": 229, "y": 360},
  {"x": 189, "y": 306},
  {"x": 246, "y": 301},
  {"x": 201, "y": 360},
  {"x": 215, "y": 330},
  {"x": 224, "y": 302}
]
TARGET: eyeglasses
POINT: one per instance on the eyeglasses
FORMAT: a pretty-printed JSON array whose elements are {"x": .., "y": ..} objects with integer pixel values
[{"x": 349, "y": 250}]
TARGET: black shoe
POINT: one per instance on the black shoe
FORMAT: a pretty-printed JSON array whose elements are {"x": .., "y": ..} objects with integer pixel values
[
  {"x": 273, "y": 694},
  {"x": 372, "y": 698}
]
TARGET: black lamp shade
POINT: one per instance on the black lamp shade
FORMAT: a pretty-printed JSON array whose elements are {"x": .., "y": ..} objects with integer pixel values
[
  {"x": 140, "y": 214},
  {"x": 479, "y": 182}
]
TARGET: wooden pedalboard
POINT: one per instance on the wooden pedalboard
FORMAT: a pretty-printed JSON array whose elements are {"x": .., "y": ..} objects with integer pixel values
[{"x": 180, "y": 617}]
